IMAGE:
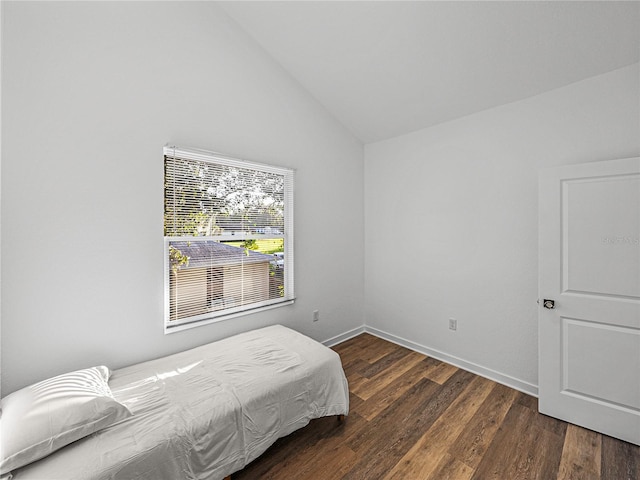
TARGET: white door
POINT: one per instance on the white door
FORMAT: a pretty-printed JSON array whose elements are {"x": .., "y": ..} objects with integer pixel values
[{"x": 589, "y": 265}]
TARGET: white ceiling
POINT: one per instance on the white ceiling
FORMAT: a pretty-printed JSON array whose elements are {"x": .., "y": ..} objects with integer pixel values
[{"x": 387, "y": 68}]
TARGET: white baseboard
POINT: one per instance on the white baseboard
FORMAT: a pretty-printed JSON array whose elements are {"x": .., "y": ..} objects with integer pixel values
[
  {"x": 489, "y": 373},
  {"x": 343, "y": 337}
]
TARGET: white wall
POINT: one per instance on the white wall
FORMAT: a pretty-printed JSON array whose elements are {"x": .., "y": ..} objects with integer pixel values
[
  {"x": 451, "y": 219},
  {"x": 91, "y": 93}
]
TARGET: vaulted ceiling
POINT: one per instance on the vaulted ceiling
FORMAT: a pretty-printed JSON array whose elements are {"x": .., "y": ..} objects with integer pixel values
[{"x": 388, "y": 68}]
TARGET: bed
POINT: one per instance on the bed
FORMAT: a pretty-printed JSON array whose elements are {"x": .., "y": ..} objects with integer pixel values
[{"x": 204, "y": 413}]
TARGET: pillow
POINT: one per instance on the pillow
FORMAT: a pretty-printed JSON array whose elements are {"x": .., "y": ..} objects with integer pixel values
[{"x": 48, "y": 415}]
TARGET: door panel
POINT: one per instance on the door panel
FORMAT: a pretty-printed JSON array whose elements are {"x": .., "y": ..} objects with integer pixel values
[
  {"x": 589, "y": 344},
  {"x": 596, "y": 241},
  {"x": 593, "y": 350}
]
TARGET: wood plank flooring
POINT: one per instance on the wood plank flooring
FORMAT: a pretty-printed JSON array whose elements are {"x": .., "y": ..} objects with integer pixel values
[{"x": 415, "y": 418}]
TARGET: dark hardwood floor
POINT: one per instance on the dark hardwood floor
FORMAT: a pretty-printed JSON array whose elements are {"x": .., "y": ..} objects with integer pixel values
[{"x": 413, "y": 417}]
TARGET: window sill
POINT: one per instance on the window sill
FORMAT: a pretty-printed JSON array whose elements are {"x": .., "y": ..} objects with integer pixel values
[{"x": 173, "y": 328}]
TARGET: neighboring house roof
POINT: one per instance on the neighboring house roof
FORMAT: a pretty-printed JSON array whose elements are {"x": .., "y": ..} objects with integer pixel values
[{"x": 214, "y": 254}]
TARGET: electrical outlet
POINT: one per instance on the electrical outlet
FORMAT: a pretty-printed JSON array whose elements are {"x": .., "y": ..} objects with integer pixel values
[
  {"x": 453, "y": 324},
  {"x": 316, "y": 315}
]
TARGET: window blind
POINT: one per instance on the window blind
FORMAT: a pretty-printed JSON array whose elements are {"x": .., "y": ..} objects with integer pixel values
[{"x": 228, "y": 233}]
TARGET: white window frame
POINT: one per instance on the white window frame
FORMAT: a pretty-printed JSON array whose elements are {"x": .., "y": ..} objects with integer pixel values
[{"x": 171, "y": 326}]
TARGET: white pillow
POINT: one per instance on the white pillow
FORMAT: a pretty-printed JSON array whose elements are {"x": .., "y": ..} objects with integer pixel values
[{"x": 48, "y": 415}]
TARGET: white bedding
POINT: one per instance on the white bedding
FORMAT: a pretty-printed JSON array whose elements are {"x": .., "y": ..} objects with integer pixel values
[{"x": 207, "y": 412}]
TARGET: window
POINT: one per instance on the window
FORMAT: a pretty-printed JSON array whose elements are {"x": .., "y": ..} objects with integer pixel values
[{"x": 228, "y": 235}]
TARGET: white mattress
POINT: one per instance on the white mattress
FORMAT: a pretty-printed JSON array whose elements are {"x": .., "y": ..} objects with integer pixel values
[{"x": 207, "y": 412}]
